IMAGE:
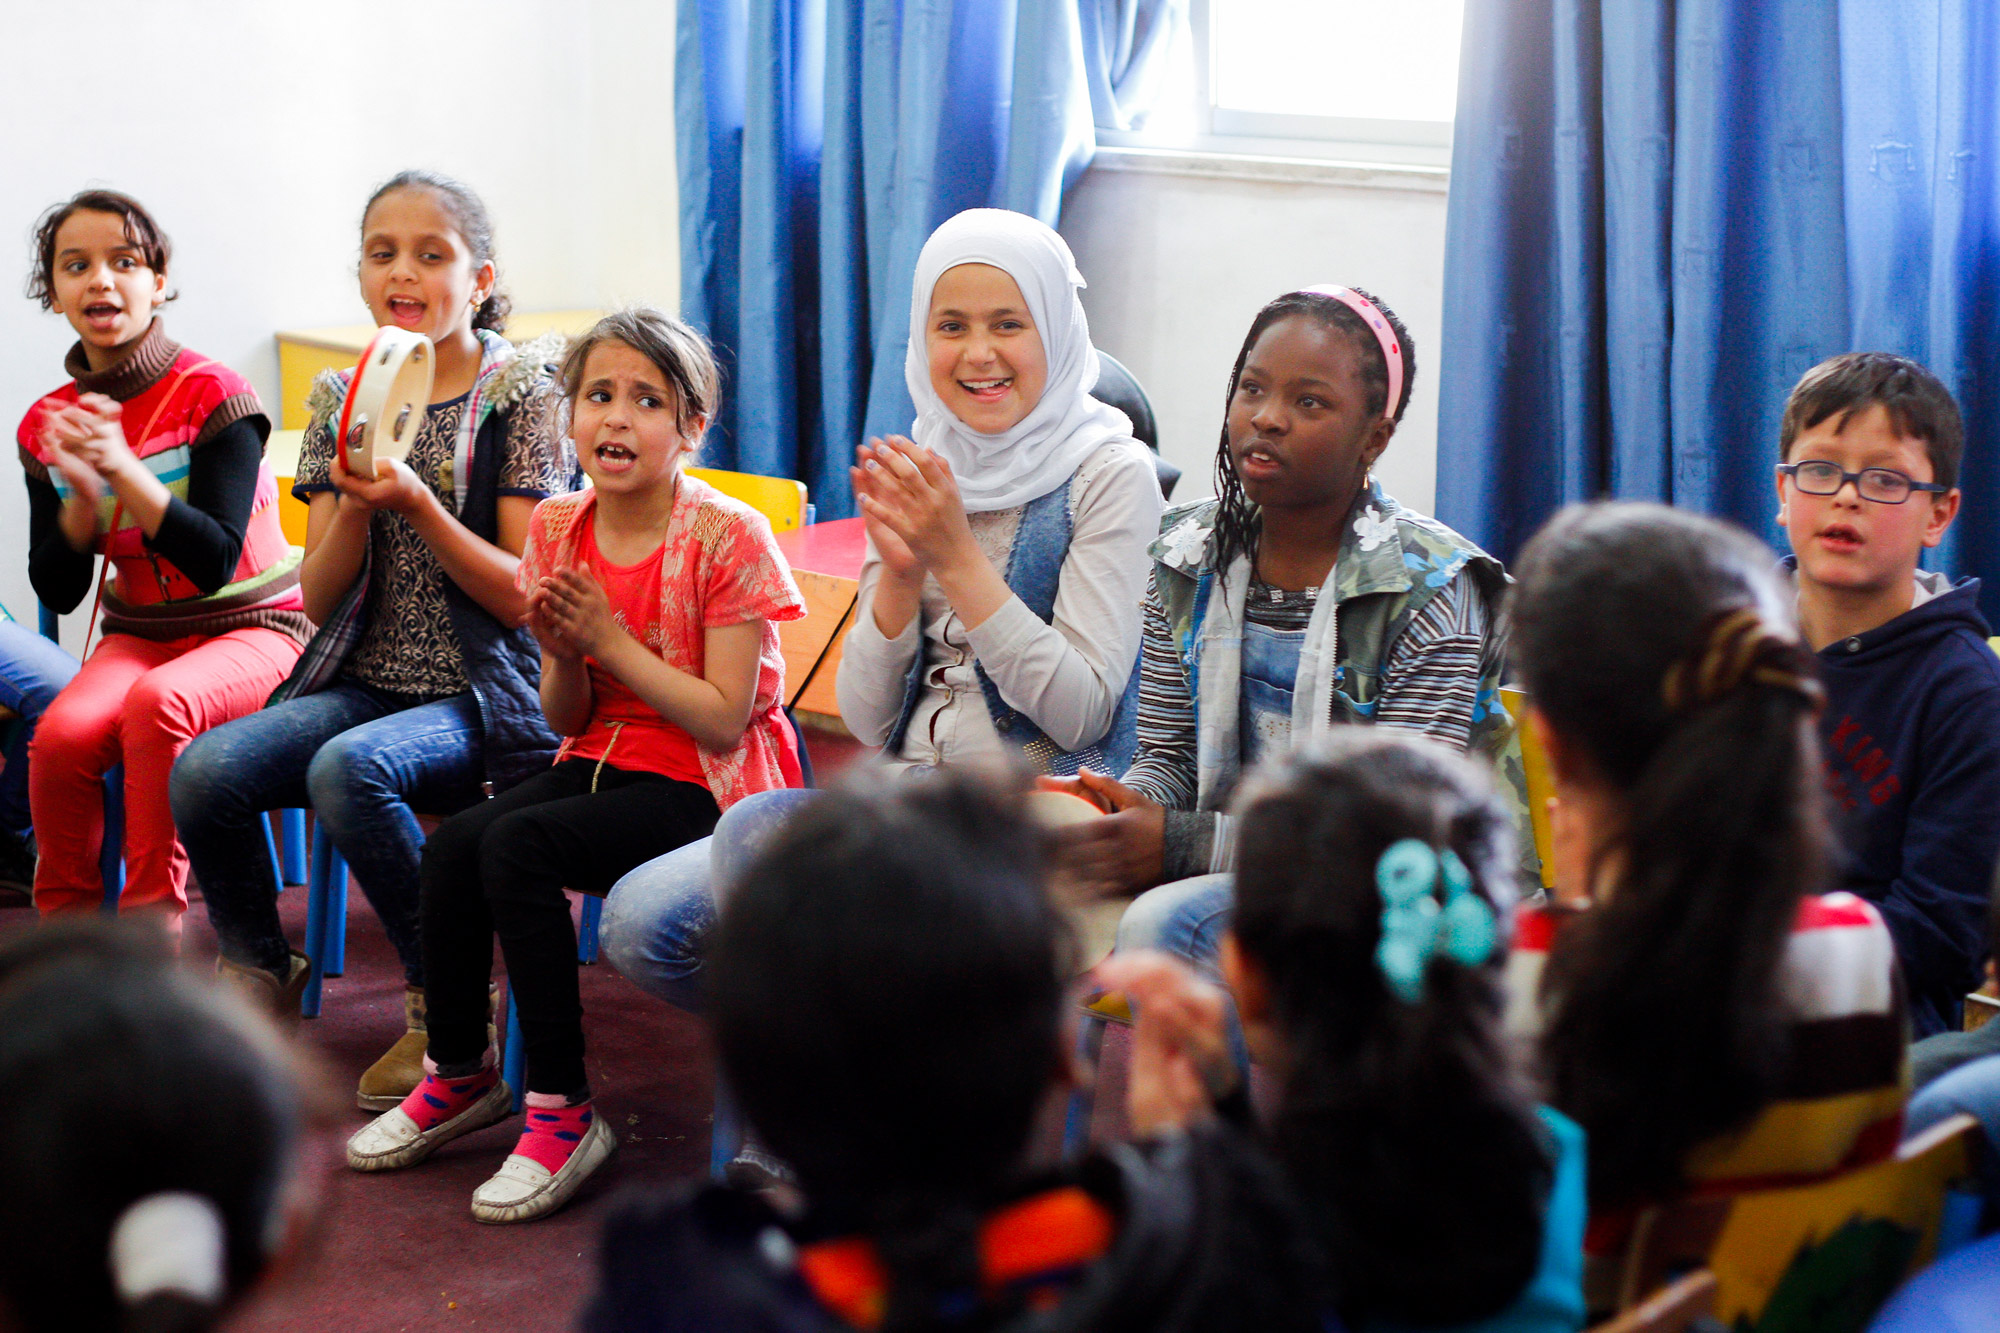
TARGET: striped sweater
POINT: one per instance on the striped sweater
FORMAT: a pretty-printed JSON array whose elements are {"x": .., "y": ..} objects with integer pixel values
[
  {"x": 1411, "y": 642},
  {"x": 1840, "y": 1103}
]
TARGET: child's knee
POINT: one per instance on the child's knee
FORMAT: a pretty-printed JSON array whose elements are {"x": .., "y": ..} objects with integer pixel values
[
  {"x": 342, "y": 769},
  {"x": 156, "y": 707},
  {"x": 200, "y": 784}
]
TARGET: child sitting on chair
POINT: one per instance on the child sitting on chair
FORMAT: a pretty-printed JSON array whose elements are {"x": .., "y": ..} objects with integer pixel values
[
  {"x": 654, "y": 598},
  {"x": 1868, "y": 481}
]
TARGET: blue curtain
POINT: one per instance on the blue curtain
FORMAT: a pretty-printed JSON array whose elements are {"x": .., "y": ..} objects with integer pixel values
[
  {"x": 820, "y": 141},
  {"x": 1664, "y": 211}
]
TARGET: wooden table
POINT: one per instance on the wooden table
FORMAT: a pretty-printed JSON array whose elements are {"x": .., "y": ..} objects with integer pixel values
[{"x": 826, "y": 561}]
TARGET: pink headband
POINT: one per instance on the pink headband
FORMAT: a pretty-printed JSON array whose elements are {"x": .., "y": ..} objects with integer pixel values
[{"x": 1392, "y": 350}]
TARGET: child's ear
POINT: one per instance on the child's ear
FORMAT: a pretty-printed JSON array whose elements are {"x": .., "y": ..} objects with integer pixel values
[
  {"x": 1944, "y": 508},
  {"x": 1378, "y": 440},
  {"x": 1779, "y": 477},
  {"x": 482, "y": 283}
]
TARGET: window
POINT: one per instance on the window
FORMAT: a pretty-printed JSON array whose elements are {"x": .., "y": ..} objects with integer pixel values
[{"x": 1311, "y": 78}]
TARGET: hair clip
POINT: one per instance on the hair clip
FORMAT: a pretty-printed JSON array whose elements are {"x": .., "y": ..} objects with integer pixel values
[{"x": 1414, "y": 926}]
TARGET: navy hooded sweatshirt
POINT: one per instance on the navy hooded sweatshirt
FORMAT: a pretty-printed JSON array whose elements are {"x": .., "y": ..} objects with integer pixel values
[{"x": 1912, "y": 732}]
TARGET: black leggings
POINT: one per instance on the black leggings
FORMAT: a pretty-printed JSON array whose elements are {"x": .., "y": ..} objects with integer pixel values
[{"x": 501, "y": 868}]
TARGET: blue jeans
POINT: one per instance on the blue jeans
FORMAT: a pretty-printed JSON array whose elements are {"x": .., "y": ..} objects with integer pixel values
[
  {"x": 657, "y": 916},
  {"x": 1186, "y": 918},
  {"x": 33, "y": 671},
  {"x": 1973, "y": 1088},
  {"x": 366, "y": 760}
]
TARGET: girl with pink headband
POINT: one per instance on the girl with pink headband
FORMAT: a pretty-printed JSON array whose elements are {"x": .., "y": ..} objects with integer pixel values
[{"x": 1302, "y": 598}]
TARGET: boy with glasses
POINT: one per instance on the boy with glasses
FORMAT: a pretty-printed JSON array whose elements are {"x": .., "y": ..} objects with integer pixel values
[{"x": 1871, "y": 445}]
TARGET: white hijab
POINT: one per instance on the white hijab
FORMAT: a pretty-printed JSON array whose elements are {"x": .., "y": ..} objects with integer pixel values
[{"x": 1035, "y": 455}]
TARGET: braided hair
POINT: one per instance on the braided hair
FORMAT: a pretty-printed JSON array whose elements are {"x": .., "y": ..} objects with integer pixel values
[{"x": 1237, "y": 521}]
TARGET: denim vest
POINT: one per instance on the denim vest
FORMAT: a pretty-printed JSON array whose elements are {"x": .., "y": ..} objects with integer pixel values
[
  {"x": 503, "y": 666},
  {"x": 1034, "y": 572}
]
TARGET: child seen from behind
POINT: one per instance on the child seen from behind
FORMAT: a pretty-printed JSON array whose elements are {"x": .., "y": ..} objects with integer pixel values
[
  {"x": 1374, "y": 888},
  {"x": 1705, "y": 1009},
  {"x": 888, "y": 988}
]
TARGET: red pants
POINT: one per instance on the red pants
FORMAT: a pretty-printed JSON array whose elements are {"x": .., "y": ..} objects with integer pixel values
[{"x": 139, "y": 703}]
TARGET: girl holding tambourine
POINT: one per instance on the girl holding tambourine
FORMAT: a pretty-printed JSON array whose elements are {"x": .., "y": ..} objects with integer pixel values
[{"x": 420, "y": 689}]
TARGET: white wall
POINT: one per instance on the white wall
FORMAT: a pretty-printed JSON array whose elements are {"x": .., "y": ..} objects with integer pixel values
[
  {"x": 1180, "y": 253},
  {"x": 255, "y": 130}
]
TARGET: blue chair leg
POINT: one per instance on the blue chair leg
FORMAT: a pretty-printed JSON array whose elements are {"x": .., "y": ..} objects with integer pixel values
[
  {"x": 725, "y": 1138},
  {"x": 271, "y": 849},
  {"x": 292, "y": 845},
  {"x": 51, "y": 624},
  {"x": 586, "y": 935},
  {"x": 111, "y": 854},
  {"x": 326, "y": 918},
  {"x": 1083, "y": 1100},
  {"x": 514, "y": 1059}
]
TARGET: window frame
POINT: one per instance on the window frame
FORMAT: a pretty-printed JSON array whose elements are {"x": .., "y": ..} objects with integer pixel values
[{"x": 1237, "y": 132}]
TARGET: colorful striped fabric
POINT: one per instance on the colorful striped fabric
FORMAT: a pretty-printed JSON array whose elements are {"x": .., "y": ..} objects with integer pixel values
[{"x": 1840, "y": 1104}]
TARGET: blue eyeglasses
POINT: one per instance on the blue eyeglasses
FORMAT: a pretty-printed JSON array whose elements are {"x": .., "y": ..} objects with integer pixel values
[{"x": 1883, "y": 485}]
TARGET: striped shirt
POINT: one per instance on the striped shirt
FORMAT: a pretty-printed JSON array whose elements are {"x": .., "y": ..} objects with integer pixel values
[
  {"x": 1430, "y": 681},
  {"x": 1840, "y": 1102}
]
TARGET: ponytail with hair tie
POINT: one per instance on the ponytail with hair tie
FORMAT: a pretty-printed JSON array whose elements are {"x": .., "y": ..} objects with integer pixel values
[
  {"x": 168, "y": 1254},
  {"x": 1741, "y": 645}
]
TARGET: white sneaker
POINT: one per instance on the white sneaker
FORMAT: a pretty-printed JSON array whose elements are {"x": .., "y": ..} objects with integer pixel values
[
  {"x": 392, "y": 1139},
  {"x": 523, "y": 1189}
]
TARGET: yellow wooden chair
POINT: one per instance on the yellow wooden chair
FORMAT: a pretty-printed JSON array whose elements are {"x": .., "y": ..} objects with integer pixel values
[
  {"x": 1541, "y": 784},
  {"x": 780, "y": 499},
  {"x": 1823, "y": 1255}
]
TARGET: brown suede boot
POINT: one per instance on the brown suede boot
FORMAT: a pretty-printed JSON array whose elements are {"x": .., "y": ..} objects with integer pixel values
[
  {"x": 401, "y": 1068},
  {"x": 275, "y": 996},
  {"x": 392, "y": 1078}
]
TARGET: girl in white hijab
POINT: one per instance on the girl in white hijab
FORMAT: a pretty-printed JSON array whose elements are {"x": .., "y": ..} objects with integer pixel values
[
  {"x": 1006, "y": 564},
  {"x": 1005, "y": 571}
]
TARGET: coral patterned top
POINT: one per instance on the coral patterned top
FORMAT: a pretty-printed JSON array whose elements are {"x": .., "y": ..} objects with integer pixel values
[{"x": 718, "y": 566}]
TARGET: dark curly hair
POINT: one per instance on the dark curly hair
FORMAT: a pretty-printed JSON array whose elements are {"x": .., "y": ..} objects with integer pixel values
[
  {"x": 141, "y": 232},
  {"x": 474, "y": 223},
  {"x": 1412, "y": 1144},
  {"x": 1237, "y": 523}
]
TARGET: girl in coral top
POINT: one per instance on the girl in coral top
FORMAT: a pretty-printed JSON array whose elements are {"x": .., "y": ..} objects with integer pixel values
[{"x": 654, "y": 599}]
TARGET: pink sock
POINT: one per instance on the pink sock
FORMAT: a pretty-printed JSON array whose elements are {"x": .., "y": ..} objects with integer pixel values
[
  {"x": 436, "y": 1100},
  {"x": 553, "y": 1130}
]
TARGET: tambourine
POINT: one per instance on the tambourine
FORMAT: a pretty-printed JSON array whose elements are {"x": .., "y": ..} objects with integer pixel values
[
  {"x": 386, "y": 400},
  {"x": 1094, "y": 925}
]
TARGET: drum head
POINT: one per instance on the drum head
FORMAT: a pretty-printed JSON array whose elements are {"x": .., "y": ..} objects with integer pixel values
[
  {"x": 386, "y": 400},
  {"x": 1058, "y": 809}
]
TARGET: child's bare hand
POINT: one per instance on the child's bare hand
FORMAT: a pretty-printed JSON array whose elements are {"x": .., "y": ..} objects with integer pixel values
[
  {"x": 1180, "y": 1046},
  {"x": 543, "y": 624},
  {"x": 84, "y": 483},
  {"x": 1120, "y": 854},
  {"x": 898, "y": 561},
  {"x": 580, "y": 611},
  {"x": 393, "y": 488},
  {"x": 910, "y": 491},
  {"x": 93, "y": 430}
]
